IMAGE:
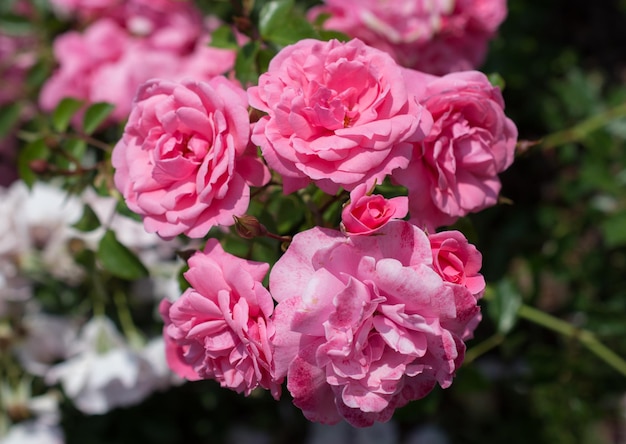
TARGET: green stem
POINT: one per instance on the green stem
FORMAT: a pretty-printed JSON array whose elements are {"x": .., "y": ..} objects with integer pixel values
[
  {"x": 586, "y": 338},
  {"x": 483, "y": 347},
  {"x": 126, "y": 319},
  {"x": 580, "y": 130}
]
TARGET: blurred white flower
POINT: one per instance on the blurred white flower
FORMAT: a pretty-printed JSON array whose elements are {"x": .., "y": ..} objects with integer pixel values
[
  {"x": 379, "y": 433},
  {"x": 47, "y": 340},
  {"x": 106, "y": 372},
  {"x": 36, "y": 418},
  {"x": 33, "y": 431},
  {"x": 35, "y": 229}
]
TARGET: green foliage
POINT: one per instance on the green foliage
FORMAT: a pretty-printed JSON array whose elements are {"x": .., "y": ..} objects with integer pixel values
[
  {"x": 118, "y": 260},
  {"x": 95, "y": 115},
  {"x": 280, "y": 23},
  {"x": 503, "y": 307},
  {"x": 88, "y": 221},
  {"x": 64, "y": 112},
  {"x": 35, "y": 151},
  {"x": 9, "y": 116}
]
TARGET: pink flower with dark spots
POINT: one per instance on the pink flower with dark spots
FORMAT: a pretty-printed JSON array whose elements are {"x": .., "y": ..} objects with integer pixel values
[{"x": 364, "y": 324}]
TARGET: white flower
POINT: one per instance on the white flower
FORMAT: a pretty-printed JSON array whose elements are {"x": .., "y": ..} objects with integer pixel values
[
  {"x": 48, "y": 340},
  {"x": 17, "y": 402},
  {"x": 33, "y": 432},
  {"x": 107, "y": 373},
  {"x": 35, "y": 228}
]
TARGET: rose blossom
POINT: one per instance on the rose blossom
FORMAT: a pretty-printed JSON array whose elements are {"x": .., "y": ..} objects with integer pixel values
[
  {"x": 454, "y": 171},
  {"x": 121, "y": 50},
  {"x": 438, "y": 37},
  {"x": 221, "y": 325},
  {"x": 365, "y": 213},
  {"x": 338, "y": 114},
  {"x": 457, "y": 261},
  {"x": 364, "y": 324},
  {"x": 184, "y": 162}
]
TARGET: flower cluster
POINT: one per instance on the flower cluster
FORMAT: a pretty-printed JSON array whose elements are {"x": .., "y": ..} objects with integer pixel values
[
  {"x": 349, "y": 158},
  {"x": 129, "y": 43},
  {"x": 368, "y": 317}
]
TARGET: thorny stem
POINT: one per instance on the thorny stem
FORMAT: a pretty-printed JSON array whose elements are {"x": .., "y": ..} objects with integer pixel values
[
  {"x": 582, "y": 129},
  {"x": 586, "y": 338},
  {"x": 482, "y": 348}
]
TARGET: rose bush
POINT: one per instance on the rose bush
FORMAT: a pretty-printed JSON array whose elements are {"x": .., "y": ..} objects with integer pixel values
[
  {"x": 365, "y": 212},
  {"x": 221, "y": 325},
  {"x": 454, "y": 170},
  {"x": 338, "y": 114},
  {"x": 365, "y": 324},
  {"x": 184, "y": 162}
]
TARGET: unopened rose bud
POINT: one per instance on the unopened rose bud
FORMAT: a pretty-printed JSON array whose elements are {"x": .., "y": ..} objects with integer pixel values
[
  {"x": 39, "y": 166},
  {"x": 249, "y": 227}
]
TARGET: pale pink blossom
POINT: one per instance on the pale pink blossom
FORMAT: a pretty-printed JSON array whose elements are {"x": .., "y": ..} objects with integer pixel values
[
  {"x": 338, "y": 114},
  {"x": 364, "y": 324},
  {"x": 16, "y": 58},
  {"x": 454, "y": 170},
  {"x": 366, "y": 213},
  {"x": 435, "y": 36},
  {"x": 184, "y": 162},
  {"x": 112, "y": 57},
  {"x": 221, "y": 327}
]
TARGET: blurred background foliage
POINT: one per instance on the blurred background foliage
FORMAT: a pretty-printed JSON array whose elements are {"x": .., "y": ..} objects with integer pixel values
[{"x": 556, "y": 243}]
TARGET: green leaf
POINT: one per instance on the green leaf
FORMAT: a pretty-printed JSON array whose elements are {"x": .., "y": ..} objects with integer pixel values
[
  {"x": 273, "y": 14},
  {"x": 95, "y": 115},
  {"x": 38, "y": 74},
  {"x": 496, "y": 80},
  {"x": 9, "y": 115},
  {"x": 504, "y": 306},
  {"x": 63, "y": 113},
  {"x": 34, "y": 151},
  {"x": 75, "y": 147},
  {"x": 223, "y": 37},
  {"x": 89, "y": 220},
  {"x": 13, "y": 24},
  {"x": 614, "y": 230},
  {"x": 327, "y": 34},
  {"x": 246, "y": 64},
  {"x": 280, "y": 23},
  {"x": 118, "y": 259}
]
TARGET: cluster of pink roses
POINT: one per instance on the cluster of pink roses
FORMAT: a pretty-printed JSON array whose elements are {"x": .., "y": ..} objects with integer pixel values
[
  {"x": 368, "y": 317},
  {"x": 126, "y": 43}
]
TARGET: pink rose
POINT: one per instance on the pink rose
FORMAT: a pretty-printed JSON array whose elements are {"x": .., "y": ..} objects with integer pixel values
[
  {"x": 117, "y": 53},
  {"x": 184, "y": 162},
  {"x": 364, "y": 324},
  {"x": 454, "y": 171},
  {"x": 365, "y": 213},
  {"x": 437, "y": 37},
  {"x": 337, "y": 113},
  {"x": 457, "y": 261},
  {"x": 222, "y": 323},
  {"x": 175, "y": 352}
]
